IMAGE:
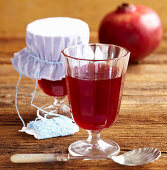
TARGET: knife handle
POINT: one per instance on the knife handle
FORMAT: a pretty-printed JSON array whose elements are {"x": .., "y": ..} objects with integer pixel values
[{"x": 32, "y": 158}]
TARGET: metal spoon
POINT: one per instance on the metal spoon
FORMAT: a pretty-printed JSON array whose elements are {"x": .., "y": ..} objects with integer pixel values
[{"x": 131, "y": 158}]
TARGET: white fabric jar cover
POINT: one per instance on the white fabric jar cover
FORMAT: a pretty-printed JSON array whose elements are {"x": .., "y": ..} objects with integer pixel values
[{"x": 45, "y": 39}]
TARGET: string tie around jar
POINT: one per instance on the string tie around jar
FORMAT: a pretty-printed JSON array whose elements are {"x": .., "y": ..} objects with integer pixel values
[{"x": 45, "y": 61}]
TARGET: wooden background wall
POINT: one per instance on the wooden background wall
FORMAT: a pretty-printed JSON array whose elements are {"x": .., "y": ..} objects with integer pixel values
[{"x": 16, "y": 14}]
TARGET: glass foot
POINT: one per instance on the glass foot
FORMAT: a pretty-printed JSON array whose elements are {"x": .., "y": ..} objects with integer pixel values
[{"x": 103, "y": 148}]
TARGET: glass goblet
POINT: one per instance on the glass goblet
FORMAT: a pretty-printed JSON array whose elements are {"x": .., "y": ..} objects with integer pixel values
[
  {"x": 56, "y": 89},
  {"x": 95, "y": 77}
]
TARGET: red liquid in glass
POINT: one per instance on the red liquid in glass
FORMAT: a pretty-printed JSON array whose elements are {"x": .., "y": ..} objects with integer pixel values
[
  {"x": 53, "y": 88},
  {"x": 95, "y": 103}
]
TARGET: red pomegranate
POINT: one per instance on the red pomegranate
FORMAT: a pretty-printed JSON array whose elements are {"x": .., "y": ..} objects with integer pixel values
[{"x": 135, "y": 27}]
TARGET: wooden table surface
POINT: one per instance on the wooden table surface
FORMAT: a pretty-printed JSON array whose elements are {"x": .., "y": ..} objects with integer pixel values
[{"x": 142, "y": 121}]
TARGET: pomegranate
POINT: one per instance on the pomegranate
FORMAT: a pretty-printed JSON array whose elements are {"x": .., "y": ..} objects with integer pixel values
[{"x": 135, "y": 27}]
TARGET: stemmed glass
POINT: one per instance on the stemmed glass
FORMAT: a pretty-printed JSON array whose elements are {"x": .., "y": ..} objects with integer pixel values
[
  {"x": 95, "y": 76},
  {"x": 56, "y": 89}
]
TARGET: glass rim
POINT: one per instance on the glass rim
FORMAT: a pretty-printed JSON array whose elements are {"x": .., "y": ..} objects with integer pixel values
[{"x": 96, "y": 44}]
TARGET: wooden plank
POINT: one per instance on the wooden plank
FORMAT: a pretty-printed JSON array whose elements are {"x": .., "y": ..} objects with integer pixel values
[
  {"x": 10, "y": 45},
  {"x": 140, "y": 133},
  {"x": 141, "y": 79}
]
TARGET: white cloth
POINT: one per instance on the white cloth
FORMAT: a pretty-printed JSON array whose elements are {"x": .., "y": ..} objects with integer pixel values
[{"x": 45, "y": 39}]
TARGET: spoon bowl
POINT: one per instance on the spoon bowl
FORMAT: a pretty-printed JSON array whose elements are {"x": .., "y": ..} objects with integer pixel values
[{"x": 136, "y": 157}]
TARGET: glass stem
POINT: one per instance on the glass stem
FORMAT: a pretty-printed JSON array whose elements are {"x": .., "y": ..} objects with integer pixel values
[
  {"x": 61, "y": 107},
  {"x": 94, "y": 136},
  {"x": 58, "y": 101}
]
